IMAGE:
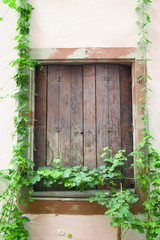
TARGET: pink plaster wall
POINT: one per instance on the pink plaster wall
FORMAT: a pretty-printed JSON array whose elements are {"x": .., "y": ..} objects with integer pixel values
[
  {"x": 51, "y": 227},
  {"x": 154, "y": 71},
  {"x": 7, "y": 84},
  {"x": 83, "y": 23}
]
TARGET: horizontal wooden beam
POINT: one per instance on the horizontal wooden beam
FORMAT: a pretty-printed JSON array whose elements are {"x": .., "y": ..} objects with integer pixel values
[{"x": 81, "y": 54}]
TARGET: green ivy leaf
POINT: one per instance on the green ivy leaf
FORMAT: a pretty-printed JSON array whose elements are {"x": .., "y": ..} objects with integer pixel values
[
  {"x": 30, "y": 199},
  {"x": 152, "y": 224},
  {"x": 35, "y": 179},
  {"x": 124, "y": 210},
  {"x": 158, "y": 232},
  {"x": 26, "y": 219},
  {"x": 43, "y": 168},
  {"x": 56, "y": 160},
  {"x": 6, "y": 1},
  {"x": 12, "y": 4}
]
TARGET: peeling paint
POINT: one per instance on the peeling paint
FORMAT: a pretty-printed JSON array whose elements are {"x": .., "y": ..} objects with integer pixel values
[
  {"x": 133, "y": 55},
  {"x": 84, "y": 53},
  {"x": 42, "y": 53},
  {"x": 79, "y": 53}
]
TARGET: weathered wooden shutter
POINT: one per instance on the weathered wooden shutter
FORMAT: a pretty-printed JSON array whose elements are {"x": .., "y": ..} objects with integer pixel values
[{"x": 79, "y": 110}]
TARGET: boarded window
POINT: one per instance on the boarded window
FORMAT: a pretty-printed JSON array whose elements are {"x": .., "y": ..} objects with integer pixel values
[{"x": 79, "y": 110}]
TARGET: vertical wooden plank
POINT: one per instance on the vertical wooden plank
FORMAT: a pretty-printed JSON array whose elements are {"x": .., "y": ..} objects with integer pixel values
[
  {"x": 52, "y": 113},
  {"x": 89, "y": 116},
  {"x": 102, "y": 109},
  {"x": 126, "y": 121},
  {"x": 64, "y": 115},
  {"x": 114, "y": 126},
  {"x": 76, "y": 116},
  {"x": 40, "y": 115}
]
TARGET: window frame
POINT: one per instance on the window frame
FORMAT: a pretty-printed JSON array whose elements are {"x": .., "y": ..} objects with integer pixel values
[{"x": 71, "y": 56}]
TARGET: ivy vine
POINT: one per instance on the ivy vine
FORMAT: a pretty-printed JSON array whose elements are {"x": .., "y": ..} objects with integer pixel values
[
  {"x": 12, "y": 220},
  {"x": 148, "y": 160}
]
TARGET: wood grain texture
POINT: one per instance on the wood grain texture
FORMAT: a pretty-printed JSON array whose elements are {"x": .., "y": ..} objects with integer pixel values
[
  {"x": 40, "y": 115},
  {"x": 80, "y": 110},
  {"x": 126, "y": 121},
  {"x": 71, "y": 207},
  {"x": 114, "y": 129},
  {"x": 102, "y": 109},
  {"x": 89, "y": 116},
  {"x": 64, "y": 116},
  {"x": 53, "y": 113},
  {"x": 76, "y": 116},
  {"x": 63, "y": 207}
]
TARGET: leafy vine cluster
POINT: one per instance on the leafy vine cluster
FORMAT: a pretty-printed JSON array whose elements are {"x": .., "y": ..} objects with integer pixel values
[
  {"x": 148, "y": 158},
  {"x": 12, "y": 220}
]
